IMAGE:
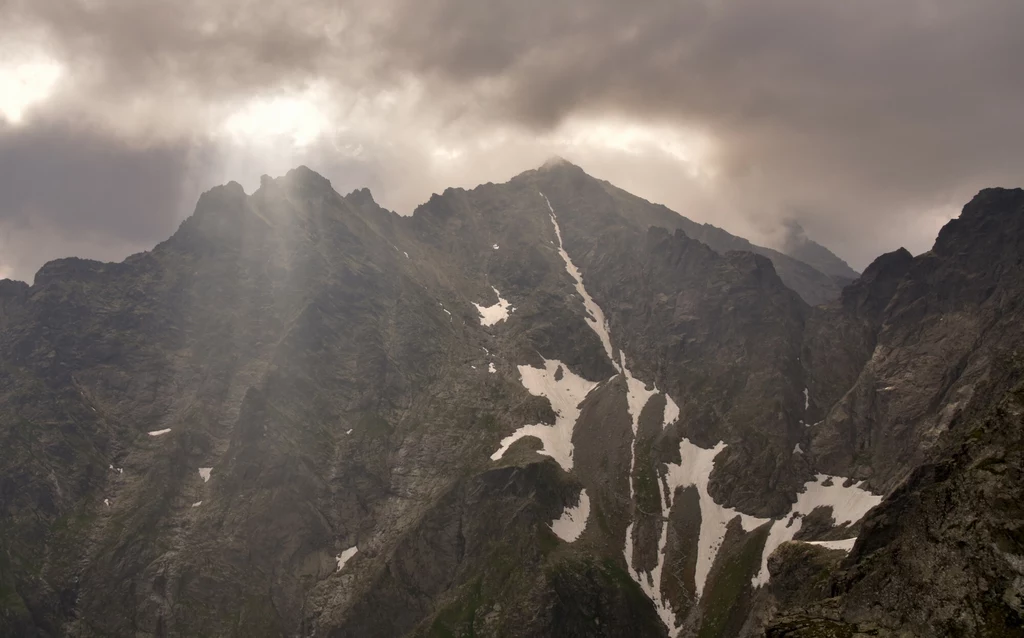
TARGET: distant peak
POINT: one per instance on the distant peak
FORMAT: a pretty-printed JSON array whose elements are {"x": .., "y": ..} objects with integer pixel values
[
  {"x": 798, "y": 245},
  {"x": 556, "y": 161},
  {"x": 560, "y": 168},
  {"x": 300, "y": 178},
  {"x": 225, "y": 196},
  {"x": 303, "y": 175},
  {"x": 361, "y": 195},
  {"x": 231, "y": 188}
]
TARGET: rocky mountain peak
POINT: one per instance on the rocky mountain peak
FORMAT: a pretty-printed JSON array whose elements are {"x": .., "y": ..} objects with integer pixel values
[
  {"x": 226, "y": 197},
  {"x": 12, "y": 288},
  {"x": 556, "y": 162},
  {"x": 992, "y": 217},
  {"x": 871, "y": 292},
  {"x": 539, "y": 408},
  {"x": 362, "y": 197}
]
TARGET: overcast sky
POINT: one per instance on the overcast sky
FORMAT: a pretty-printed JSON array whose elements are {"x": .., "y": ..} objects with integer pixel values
[{"x": 870, "y": 123}]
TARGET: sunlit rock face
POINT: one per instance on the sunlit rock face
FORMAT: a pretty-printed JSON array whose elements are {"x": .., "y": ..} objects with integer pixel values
[{"x": 538, "y": 408}]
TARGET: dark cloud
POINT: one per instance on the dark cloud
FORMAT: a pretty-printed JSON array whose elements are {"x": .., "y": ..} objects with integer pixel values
[
  {"x": 76, "y": 181},
  {"x": 867, "y": 122},
  {"x": 68, "y": 189}
]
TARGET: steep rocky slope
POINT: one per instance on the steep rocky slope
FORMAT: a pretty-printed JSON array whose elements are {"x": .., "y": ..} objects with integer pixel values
[
  {"x": 531, "y": 408},
  {"x": 816, "y": 284},
  {"x": 940, "y": 557},
  {"x": 935, "y": 412},
  {"x": 938, "y": 329}
]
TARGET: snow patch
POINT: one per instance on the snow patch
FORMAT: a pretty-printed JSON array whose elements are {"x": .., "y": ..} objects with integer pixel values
[
  {"x": 348, "y": 431},
  {"x": 491, "y": 368},
  {"x": 671, "y": 412},
  {"x": 344, "y": 557},
  {"x": 406, "y": 254},
  {"x": 573, "y": 520},
  {"x": 204, "y": 473},
  {"x": 160, "y": 432},
  {"x": 490, "y": 315},
  {"x": 197, "y": 504},
  {"x": 849, "y": 505},
  {"x": 807, "y": 399},
  {"x": 495, "y": 246},
  {"x": 565, "y": 395},
  {"x": 637, "y": 394},
  {"x": 106, "y": 502},
  {"x": 595, "y": 318},
  {"x": 797, "y": 449},
  {"x": 846, "y": 544}
]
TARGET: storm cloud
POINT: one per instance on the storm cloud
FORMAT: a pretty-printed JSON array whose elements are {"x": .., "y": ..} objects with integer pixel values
[{"x": 866, "y": 124}]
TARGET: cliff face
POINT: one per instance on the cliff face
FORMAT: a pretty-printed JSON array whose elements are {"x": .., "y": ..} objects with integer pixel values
[
  {"x": 940, "y": 329},
  {"x": 936, "y": 414},
  {"x": 532, "y": 408},
  {"x": 941, "y": 555}
]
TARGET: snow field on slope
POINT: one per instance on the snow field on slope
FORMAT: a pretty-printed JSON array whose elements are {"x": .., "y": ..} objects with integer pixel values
[
  {"x": 846, "y": 544},
  {"x": 565, "y": 396},
  {"x": 650, "y": 582},
  {"x": 849, "y": 505},
  {"x": 490, "y": 315},
  {"x": 637, "y": 396},
  {"x": 695, "y": 469},
  {"x": 573, "y": 521}
]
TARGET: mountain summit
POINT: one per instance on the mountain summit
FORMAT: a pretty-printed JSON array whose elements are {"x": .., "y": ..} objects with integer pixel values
[{"x": 539, "y": 408}]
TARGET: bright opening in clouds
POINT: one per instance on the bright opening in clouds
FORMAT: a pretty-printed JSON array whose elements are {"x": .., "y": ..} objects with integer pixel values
[
  {"x": 298, "y": 120},
  {"x": 25, "y": 83},
  {"x": 694, "y": 152}
]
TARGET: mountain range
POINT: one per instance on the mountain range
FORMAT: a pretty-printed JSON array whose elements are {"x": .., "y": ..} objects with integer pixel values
[{"x": 539, "y": 408}]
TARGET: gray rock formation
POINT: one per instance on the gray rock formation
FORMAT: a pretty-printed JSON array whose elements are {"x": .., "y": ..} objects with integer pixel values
[{"x": 538, "y": 408}]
